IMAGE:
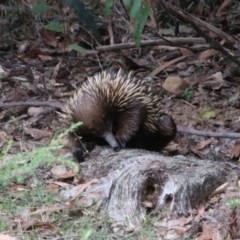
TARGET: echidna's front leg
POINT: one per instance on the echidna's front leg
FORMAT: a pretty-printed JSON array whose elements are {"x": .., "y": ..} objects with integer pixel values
[
  {"x": 167, "y": 129},
  {"x": 80, "y": 147},
  {"x": 128, "y": 124}
]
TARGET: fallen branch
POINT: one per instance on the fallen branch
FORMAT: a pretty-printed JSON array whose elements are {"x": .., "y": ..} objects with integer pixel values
[
  {"x": 192, "y": 131},
  {"x": 30, "y": 104},
  {"x": 181, "y": 129},
  {"x": 180, "y": 40}
]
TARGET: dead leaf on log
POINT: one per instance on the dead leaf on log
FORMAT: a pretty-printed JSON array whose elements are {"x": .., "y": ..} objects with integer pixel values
[
  {"x": 83, "y": 187},
  {"x": 220, "y": 189}
]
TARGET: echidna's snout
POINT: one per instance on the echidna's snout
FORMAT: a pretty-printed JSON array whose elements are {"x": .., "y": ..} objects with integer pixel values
[{"x": 110, "y": 139}]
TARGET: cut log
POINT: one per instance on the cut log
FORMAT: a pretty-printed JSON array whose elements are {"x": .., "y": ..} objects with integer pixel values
[{"x": 129, "y": 178}]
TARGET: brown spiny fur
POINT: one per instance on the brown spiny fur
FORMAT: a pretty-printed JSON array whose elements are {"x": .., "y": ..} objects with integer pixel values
[{"x": 121, "y": 104}]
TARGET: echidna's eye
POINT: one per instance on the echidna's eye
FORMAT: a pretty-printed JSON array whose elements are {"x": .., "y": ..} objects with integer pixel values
[{"x": 96, "y": 132}]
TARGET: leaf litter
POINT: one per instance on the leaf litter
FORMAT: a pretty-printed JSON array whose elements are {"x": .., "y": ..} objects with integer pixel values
[{"x": 189, "y": 81}]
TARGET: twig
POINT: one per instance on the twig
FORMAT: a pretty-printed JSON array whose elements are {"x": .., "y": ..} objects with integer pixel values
[
  {"x": 110, "y": 31},
  {"x": 180, "y": 40},
  {"x": 25, "y": 104},
  {"x": 192, "y": 131}
]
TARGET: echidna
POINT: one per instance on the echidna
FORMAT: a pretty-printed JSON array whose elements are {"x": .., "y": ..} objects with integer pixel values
[{"x": 118, "y": 109}]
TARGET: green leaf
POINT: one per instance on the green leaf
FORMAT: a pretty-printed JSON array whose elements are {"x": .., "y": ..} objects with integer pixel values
[
  {"x": 54, "y": 26},
  {"x": 83, "y": 14},
  {"x": 127, "y": 3},
  {"x": 77, "y": 48},
  {"x": 43, "y": 7},
  {"x": 208, "y": 115},
  {"x": 139, "y": 25},
  {"x": 108, "y": 7},
  {"x": 135, "y": 10}
]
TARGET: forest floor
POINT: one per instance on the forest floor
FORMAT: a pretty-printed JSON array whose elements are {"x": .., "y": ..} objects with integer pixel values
[{"x": 199, "y": 87}]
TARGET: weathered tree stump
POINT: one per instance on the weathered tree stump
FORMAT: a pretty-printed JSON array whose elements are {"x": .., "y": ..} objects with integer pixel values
[{"x": 130, "y": 177}]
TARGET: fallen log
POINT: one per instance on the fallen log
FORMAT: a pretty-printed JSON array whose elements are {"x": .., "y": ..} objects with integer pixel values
[{"x": 130, "y": 178}]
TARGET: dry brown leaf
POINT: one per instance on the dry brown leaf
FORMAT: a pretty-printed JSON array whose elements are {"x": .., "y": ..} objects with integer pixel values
[
  {"x": 3, "y": 138},
  {"x": 166, "y": 65},
  {"x": 179, "y": 230},
  {"x": 174, "y": 84},
  {"x": 223, "y": 8},
  {"x": 207, "y": 54},
  {"x": 201, "y": 209},
  {"x": 33, "y": 52},
  {"x": 195, "y": 150},
  {"x": 61, "y": 184},
  {"x": 49, "y": 37},
  {"x": 18, "y": 187},
  {"x": 220, "y": 189},
  {"x": 37, "y": 133},
  {"x": 83, "y": 187},
  {"x": 51, "y": 187},
  {"x": 53, "y": 208},
  {"x": 235, "y": 152},
  {"x": 148, "y": 204},
  {"x": 44, "y": 225},
  {"x": 23, "y": 47},
  {"x": 215, "y": 81},
  {"x": 206, "y": 233},
  {"x": 6, "y": 237},
  {"x": 58, "y": 170},
  {"x": 235, "y": 96},
  {"x": 35, "y": 224},
  {"x": 56, "y": 70},
  {"x": 45, "y": 57},
  {"x": 88, "y": 201},
  {"x": 171, "y": 235},
  {"x": 33, "y": 111},
  {"x": 172, "y": 223},
  {"x": 70, "y": 173},
  {"x": 204, "y": 143},
  {"x": 186, "y": 52}
]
